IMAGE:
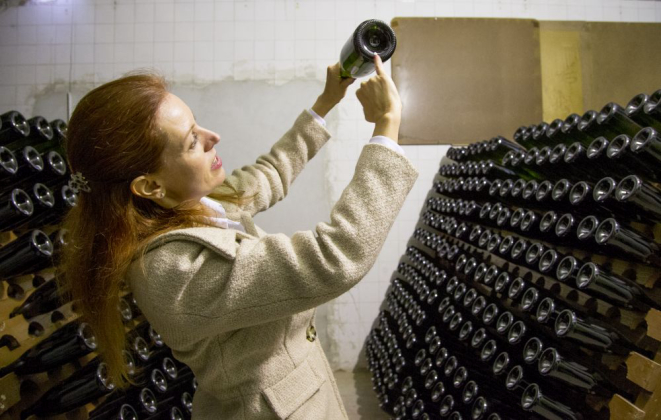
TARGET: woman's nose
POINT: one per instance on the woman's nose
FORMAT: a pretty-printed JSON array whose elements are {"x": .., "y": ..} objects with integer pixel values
[
  {"x": 211, "y": 140},
  {"x": 215, "y": 137}
]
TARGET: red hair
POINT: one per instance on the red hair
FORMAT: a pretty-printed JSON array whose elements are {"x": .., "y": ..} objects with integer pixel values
[{"x": 113, "y": 137}]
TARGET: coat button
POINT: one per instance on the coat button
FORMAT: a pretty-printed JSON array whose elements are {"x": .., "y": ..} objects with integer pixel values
[{"x": 311, "y": 334}]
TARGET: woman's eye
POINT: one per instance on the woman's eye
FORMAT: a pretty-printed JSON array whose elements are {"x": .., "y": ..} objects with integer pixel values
[{"x": 194, "y": 143}]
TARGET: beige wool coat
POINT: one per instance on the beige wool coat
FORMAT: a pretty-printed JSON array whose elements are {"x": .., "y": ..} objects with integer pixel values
[{"x": 238, "y": 308}]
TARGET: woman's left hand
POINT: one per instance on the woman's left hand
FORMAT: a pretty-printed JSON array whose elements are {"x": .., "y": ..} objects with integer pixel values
[{"x": 334, "y": 91}]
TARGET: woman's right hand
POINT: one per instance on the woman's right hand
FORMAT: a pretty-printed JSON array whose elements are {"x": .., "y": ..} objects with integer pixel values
[{"x": 381, "y": 102}]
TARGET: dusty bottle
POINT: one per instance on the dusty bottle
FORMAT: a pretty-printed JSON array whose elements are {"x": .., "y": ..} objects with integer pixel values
[{"x": 370, "y": 38}]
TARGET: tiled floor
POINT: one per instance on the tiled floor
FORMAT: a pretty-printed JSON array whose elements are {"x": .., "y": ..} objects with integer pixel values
[{"x": 359, "y": 398}]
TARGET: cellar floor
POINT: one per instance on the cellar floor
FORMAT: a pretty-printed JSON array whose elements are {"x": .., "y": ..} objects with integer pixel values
[{"x": 358, "y": 397}]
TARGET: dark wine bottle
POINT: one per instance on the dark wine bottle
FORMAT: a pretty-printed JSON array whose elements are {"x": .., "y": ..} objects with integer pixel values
[
  {"x": 59, "y": 129},
  {"x": 603, "y": 191},
  {"x": 13, "y": 127},
  {"x": 370, "y": 38},
  {"x": 615, "y": 119},
  {"x": 65, "y": 199},
  {"x": 517, "y": 191},
  {"x": 493, "y": 170},
  {"x": 169, "y": 413},
  {"x": 611, "y": 233},
  {"x": 653, "y": 105},
  {"x": 40, "y": 129},
  {"x": 526, "y": 139},
  {"x": 29, "y": 253},
  {"x": 645, "y": 196},
  {"x": 534, "y": 401},
  {"x": 595, "y": 337},
  {"x": 141, "y": 399},
  {"x": 546, "y": 313},
  {"x": 580, "y": 193},
  {"x": 619, "y": 151},
  {"x": 543, "y": 194},
  {"x": 574, "y": 374},
  {"x": 554, "y": 131},
  {"x": 576, "y": 164},
  {"x": 560, "y": 192},
  {"x": 534, "y": 254},
  {"x": 548, "y": 261},
  {"x": 539, "y": 136},
  {"x": 612, "y": 288},
  {"x": 531, "y": 156},
  {"x": 572, "y": 133},
  {"x": 597, "y": 149},
  {"x": 565, "y": 228},
  {"x": 556, "y": 158},
  {"x": 42, "y": 198},
  {"x": 646, "y": 145},
  {"x": 542, "y": 160},
  {"x": 635, "y": 110},
  {"x": 590, "y": 126},
  {"x": 147, "y": 332},
  {"x": 548, "y": 221},
  {"x": 83, "y": 386},
  {"x": 30, "y": 162},
  {"x": 586, "y": 229},
  {"x": 571, "y": 123},
  {"x": 55, "y": 168},
  {"x": 519, "y": 134},
  {"x": 567, "y": 269},
  {"x": 497, "y": 147},
  {"x": 123, "y": 412},
  {"x": 8, "y": 167},
  {"x": 68, "y": 343},
  {"x": 43, "y": 300},
  {"x": 15, "y": 208}
]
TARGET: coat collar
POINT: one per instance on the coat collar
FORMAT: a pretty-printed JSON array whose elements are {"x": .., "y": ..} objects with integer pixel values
[{"x": 223, "y": 241}]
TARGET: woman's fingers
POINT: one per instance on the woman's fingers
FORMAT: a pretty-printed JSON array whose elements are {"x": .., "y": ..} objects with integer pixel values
[{"x": 379, "y": 65}]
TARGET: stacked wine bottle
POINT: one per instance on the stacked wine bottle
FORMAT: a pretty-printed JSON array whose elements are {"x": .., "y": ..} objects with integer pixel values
[
  {"x": 48, "y": 360},
  {"x": 528, "y": 284}
]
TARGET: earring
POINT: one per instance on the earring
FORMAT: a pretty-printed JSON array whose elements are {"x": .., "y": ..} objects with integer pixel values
[{"x": 161, "y": 194}]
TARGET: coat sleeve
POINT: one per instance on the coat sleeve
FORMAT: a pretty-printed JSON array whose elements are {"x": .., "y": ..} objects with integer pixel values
[
  {"x": 269, "y": 178},
  {"x": 276, "y": 276}
]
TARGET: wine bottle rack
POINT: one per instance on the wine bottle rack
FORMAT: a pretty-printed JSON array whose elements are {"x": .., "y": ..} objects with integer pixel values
[
  {"x": 19, "y": 335},
  {"x": 483, "y": 262}
]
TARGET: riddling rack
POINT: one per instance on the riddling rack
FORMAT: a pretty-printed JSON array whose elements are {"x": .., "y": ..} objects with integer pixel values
[
  {"x": 529, "y": 288},
  {"x": 49, "y": 364}
]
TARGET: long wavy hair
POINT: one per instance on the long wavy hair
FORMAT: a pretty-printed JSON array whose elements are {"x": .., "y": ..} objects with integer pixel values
[{"x": 113, "y": 137}]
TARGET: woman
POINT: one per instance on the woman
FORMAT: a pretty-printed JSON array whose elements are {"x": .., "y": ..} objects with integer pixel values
[{"x": 233, "y": 303}]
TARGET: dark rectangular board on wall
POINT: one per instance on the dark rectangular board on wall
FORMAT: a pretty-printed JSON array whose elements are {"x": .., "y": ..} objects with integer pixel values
[{"x": 465, "y": 80}]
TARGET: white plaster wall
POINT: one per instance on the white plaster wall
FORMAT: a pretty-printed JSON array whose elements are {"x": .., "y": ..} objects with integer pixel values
[{"x": 50, "y": 47}]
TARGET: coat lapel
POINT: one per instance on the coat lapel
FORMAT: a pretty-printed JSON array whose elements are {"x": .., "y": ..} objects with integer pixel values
[{"x": 246, "y": 220}]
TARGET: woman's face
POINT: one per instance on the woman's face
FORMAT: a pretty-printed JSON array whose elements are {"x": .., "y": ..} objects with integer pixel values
[{"x": 190, "y": 168}]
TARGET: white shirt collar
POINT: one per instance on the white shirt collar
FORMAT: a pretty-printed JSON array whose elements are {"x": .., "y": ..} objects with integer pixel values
[{"x": 220, "y": 219}]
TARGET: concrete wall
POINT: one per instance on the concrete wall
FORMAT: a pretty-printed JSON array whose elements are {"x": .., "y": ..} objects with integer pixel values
[{"x": 247, "y": 68}]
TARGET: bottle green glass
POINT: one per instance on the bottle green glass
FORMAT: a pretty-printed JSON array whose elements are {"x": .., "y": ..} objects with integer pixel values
[
  {"x": 613, "y": 117},
  {"x": 539, "y": 137},
  {"x": 13, "y": 126},
  {"x": 571, "y": 132},
  {"x": 370, "y": 37},
  {"x": 590, "y": 126},
  {"x": 653, "y": 105},
  {"x": 554, "y": 131},
  {"x": 635, "y": 110}
]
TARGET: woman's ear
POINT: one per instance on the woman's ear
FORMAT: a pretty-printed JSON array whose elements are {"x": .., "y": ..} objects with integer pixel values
[{"x": 145, "y": 187}]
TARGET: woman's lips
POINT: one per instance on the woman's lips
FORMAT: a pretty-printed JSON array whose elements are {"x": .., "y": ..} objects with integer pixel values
[{"x": 217, "y": 163}]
